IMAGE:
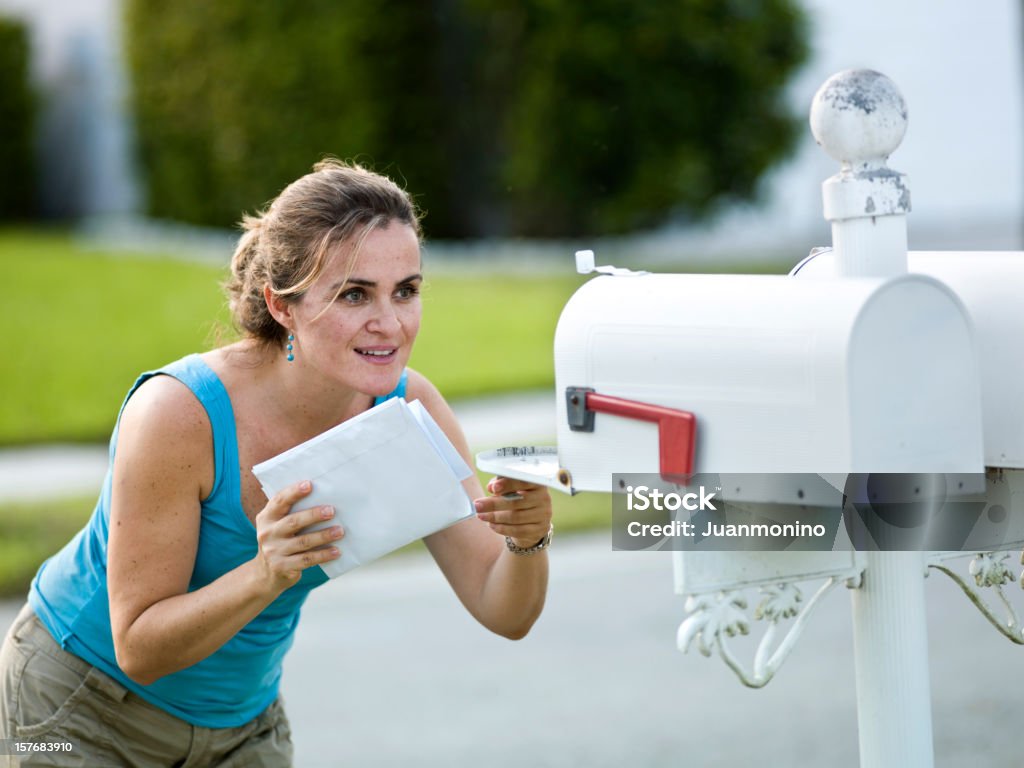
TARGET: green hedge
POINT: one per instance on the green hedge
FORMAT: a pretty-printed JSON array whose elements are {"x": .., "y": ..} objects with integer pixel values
[
  {"x": 505, "y": 117},
  {"x": 17, "y": 193}
]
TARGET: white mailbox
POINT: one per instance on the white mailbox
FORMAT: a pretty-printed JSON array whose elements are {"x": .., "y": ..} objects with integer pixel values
[
  {"x": 887, "y": 363},
  {"x": 990, "y": 285},
  {"x": 779, "y": 374}
]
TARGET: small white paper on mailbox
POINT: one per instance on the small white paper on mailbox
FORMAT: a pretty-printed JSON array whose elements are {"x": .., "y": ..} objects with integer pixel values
[{"x": 390, "y": 473}]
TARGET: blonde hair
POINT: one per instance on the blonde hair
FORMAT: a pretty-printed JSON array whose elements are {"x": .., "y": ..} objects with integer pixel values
[{"x": 286, "y": 246}]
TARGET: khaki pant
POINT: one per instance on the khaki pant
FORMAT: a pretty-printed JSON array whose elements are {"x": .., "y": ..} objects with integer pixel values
[{"x": 48, "y": 695}]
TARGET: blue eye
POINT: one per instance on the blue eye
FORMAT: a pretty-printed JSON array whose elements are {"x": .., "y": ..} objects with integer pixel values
[
  {"x": 407, "y": 291},
  {"x": 353, "y": 295}
]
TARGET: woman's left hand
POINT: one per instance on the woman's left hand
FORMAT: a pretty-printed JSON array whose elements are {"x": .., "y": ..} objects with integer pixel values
[{"x": 517, "y": 509}]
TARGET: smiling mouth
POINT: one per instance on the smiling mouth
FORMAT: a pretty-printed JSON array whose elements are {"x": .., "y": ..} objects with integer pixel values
[{"x": 378, "y": 354}]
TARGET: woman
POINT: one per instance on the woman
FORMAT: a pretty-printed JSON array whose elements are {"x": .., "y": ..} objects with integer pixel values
[{"x": 156, "y": 636}]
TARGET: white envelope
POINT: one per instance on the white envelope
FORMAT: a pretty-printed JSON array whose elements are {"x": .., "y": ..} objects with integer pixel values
[{"x": 391, "y": 474}]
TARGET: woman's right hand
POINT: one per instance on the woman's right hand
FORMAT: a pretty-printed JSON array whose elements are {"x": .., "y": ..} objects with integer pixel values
[{"x": 284, "y": 553}]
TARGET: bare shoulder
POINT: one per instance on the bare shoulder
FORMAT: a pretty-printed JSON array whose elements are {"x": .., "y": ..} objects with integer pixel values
[
  {"x": 164, "y": 429},
  {"x": 165, "y": 406},
  {"x": 419, "y": 387}
]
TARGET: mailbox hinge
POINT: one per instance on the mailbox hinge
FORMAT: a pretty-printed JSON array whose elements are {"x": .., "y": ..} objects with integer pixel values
[{"x": 677, "y": 430}]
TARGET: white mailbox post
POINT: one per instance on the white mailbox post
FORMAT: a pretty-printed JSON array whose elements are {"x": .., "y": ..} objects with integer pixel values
[
  {"x": 859, "y": 119},
  {"x": 861, "y": 361}
]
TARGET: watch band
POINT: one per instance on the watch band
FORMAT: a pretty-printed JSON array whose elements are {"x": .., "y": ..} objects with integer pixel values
[{"x": 539, "y": 546}]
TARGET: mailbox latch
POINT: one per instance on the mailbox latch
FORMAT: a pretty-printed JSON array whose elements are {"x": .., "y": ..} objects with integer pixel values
[
  {"x": 580, "y": 418},
  {"x": 677, "y": 430}
]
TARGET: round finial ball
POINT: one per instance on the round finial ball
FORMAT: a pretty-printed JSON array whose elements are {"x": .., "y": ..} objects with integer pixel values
[{"x": 859, "y": 117}]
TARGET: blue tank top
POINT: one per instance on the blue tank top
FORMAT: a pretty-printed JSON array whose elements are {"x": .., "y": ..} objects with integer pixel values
[{"x": 239, "y": 680}]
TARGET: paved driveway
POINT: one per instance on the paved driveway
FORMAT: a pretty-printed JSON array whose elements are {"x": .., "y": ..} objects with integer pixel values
[{"x": 388, "y": 670}]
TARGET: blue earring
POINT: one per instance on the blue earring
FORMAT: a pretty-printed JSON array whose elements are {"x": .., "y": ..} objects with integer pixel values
[{"x": 290, "y": 348}]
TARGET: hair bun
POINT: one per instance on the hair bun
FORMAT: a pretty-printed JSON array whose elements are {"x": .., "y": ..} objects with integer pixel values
[{"x": 248, "y": 245}]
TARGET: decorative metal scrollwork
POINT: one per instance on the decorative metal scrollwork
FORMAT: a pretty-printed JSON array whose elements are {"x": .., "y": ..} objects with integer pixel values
[
  {"x": 989, "y": 571},
  {"x": 713, "y": 618}
]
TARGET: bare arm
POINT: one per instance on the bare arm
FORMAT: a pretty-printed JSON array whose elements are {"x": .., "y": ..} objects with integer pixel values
[
  {"x": 162, "y": 469},
  {"x": 503, "y": 591}
]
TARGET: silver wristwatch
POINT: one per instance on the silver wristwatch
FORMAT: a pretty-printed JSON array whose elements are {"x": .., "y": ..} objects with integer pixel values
[{"x": 540, "y": 545}]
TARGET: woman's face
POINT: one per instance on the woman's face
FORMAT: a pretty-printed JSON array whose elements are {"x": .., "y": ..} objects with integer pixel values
[{"x": 362, "y": 337}]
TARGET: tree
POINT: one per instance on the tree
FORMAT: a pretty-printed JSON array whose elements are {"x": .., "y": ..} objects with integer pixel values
[
  {"x": 17, "y": 113},
  {"x": 524, "y": 117}
]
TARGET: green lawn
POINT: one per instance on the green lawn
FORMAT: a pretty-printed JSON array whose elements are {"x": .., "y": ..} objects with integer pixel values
[
  {"x": 490, "y": 333},
  {"x": 88, "y": 324},
  {"x": 30, "y": 533}
]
